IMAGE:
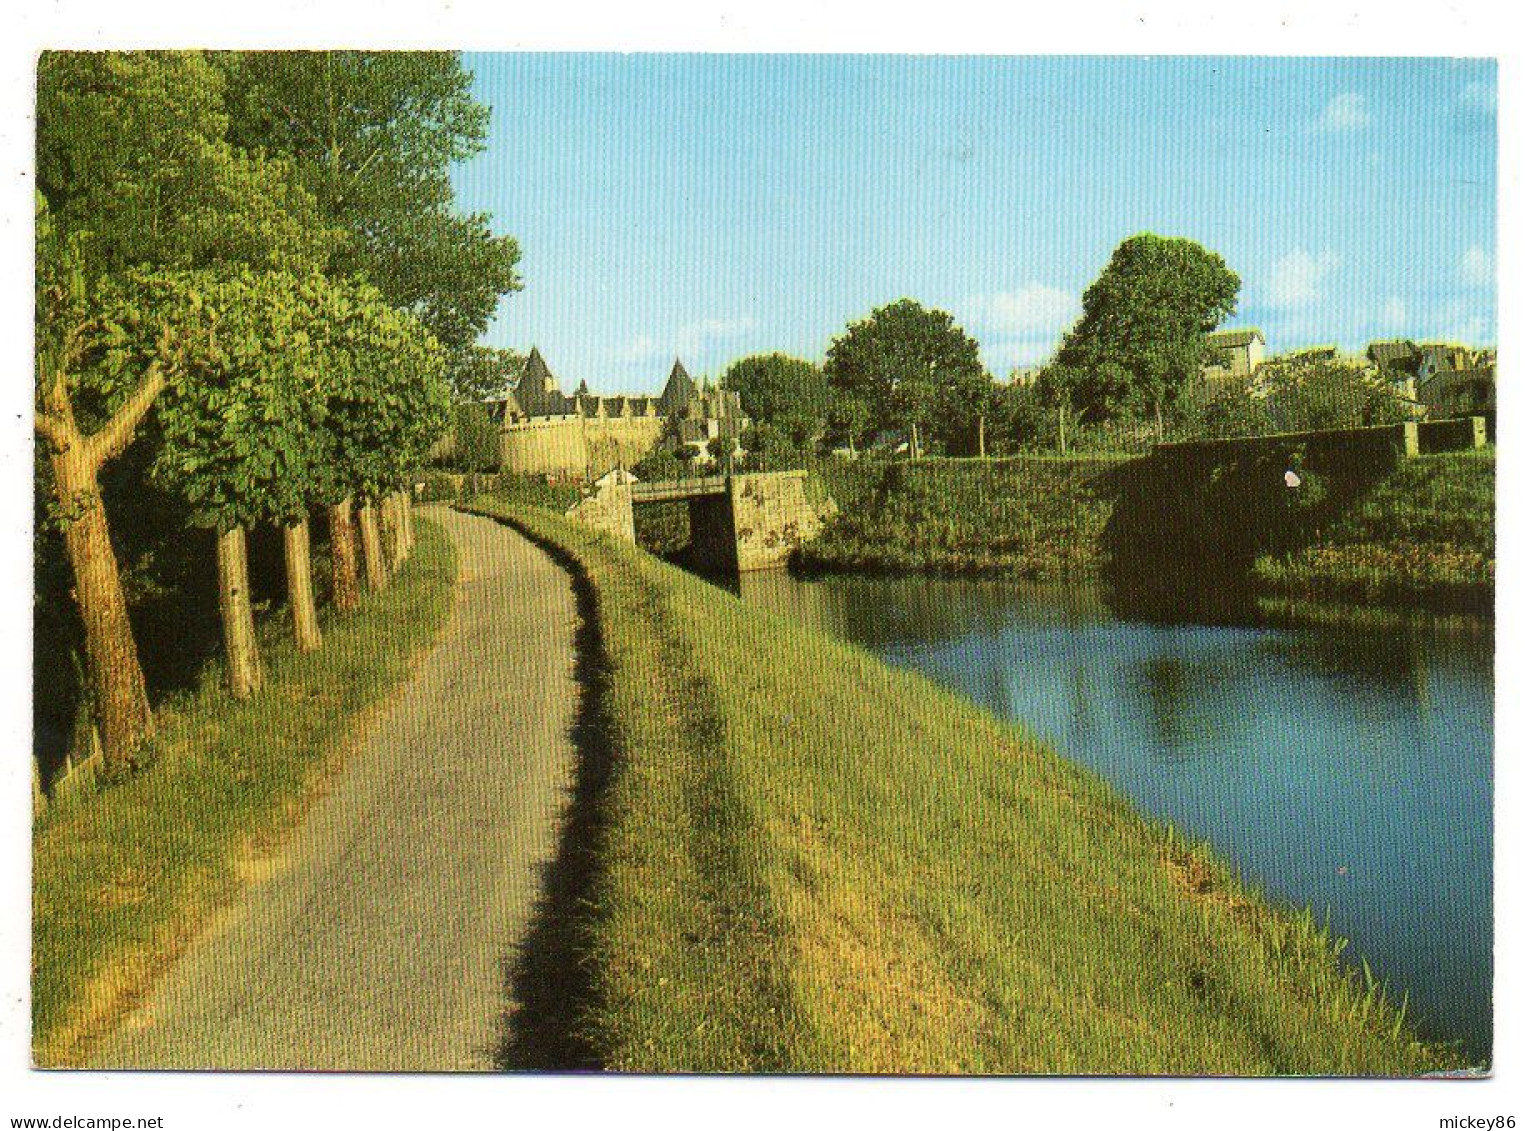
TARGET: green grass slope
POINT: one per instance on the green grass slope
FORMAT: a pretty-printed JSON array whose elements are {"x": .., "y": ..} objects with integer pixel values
[
  {"x": 1422, "y": 535},
  {"x": 1028, "y": 517},
  {"x": 804, "y": 860},
  {"x": 123, "y": 879}
]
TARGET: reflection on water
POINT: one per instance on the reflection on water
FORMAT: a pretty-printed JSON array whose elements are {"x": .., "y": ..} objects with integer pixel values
[{"x": 1346, "y": 766}]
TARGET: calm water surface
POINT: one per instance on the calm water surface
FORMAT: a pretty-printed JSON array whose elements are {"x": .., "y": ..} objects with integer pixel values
[{"x": 1344, "y": 768}]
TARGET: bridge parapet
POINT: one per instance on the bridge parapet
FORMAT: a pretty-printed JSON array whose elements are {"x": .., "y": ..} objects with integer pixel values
[{"x": 737, "y": 523}]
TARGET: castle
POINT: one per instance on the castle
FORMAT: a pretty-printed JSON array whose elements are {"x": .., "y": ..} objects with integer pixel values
[{"x": 543, "y": 431}]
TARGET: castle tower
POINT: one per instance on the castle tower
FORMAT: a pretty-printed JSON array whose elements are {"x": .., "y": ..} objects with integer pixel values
[
  {"x": 538, "y": 392},
  {"x": 679, "y": 391}
]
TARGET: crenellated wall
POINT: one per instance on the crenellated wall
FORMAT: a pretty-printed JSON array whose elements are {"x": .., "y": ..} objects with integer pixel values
[{"x": 577, "y": 446}]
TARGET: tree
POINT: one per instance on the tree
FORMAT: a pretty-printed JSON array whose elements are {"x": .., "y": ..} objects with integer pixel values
[
  {"x": 388, "y": 403},
  {"x": 475, "y": 437},
  {"x": 240, "y": 444},
  {"x": 96, "y": 344},
  {"x": 373, "y": 136},
  {"x": 1061, "y": 387},
  {"x": 1306, "y": 395},
  {"x": 136, "y": 182},
  {"x": 1141, "y": 338},
  {"x": 479, "y": 373},
  {"x": 916, "y": 370},
  {"x": 788, "y": 395},
  {"x": 849, "y": 418}
]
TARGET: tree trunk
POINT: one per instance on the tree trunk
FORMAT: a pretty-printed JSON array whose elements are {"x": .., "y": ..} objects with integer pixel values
[
  {"x": 1062, "y": 449},
  {"x": 1159, "y": 422},
  {"x": 370, "y": 547},
  {"x": 408, "y": 539},
  {"x": 982, "y": 435},
  {"x": 391, "y": 536},
  {"x": 111, "y": 652},
  {"x": 245, "y": 675},
  {"x": 915, "y": 444},
  {"x": 304, "y": 612},
  {"x": 346, "y": 569}
]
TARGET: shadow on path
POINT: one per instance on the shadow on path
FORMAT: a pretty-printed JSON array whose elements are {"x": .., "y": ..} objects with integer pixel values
[{"x": 550, "y": 978}]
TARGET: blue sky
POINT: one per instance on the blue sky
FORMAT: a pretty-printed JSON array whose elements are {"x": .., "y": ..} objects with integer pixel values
[{"x": 715, "y": 206}]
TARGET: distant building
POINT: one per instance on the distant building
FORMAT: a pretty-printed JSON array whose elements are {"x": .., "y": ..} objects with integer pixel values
[
  {"x": 1234, "y": 355},
  {"x": 1458, "y": 392},
  {"x": 584, "y": 436},
  {"x": 1441, "y": 378}
]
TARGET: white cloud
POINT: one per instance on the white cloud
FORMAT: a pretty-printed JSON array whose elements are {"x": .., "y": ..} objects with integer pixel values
[
  {"x": 1344, "y": 113},
  {"x": 1477, "y": 266},
  {"x": 1031, "y": 309},
  {"x": 693, "y": 337},
  {"x": 1298, "y": 277},
  {"x": 688, "y": 340},
  {"x": 1479, "y": 97}
]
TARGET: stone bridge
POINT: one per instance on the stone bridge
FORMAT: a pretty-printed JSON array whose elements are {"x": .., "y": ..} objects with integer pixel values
[{"x": 736, "y": 522}]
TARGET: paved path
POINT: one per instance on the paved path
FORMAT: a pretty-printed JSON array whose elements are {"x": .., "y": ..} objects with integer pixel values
[{"x": 382, "y": 937}]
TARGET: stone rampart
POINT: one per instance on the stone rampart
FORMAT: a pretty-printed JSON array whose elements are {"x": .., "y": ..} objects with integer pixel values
[{"x": 577, "y": 446}]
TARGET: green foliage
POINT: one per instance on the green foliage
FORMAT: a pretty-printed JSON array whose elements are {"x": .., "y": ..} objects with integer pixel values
[
  {"x": 478, "y": 372},
  {"x": 388, "y": 401},
  {"x": 1309, "y": 395},
  {"x": 243, "y": 424},
  {"x": 1422, "y": 536},
  {"x": 1231, "y": 411},
  {"x": 1141, "y": 338},
  {"x": 1033, "y": 518},
  {"x": 787, "y": 396},
  {"x": 913, "y": 367},
  {"x": 660, "y": 465},
  {"x": 534, "y": 491},
  {"x": 372, "y": 136},
  {"x": 134, "y": 160},
  {"x": 476, "y": 437}
]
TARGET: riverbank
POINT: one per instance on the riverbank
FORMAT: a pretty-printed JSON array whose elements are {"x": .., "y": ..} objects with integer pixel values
[
  {"x": 123, "y": 879},
  {"x": 794, "y": 858},
  {"x": 1418, "y": 536}
]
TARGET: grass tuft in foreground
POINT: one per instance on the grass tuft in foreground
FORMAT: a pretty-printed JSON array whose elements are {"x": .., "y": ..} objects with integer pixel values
[
  {"x": 123, "y": 879},
  {"x": 806, "y": 860}
]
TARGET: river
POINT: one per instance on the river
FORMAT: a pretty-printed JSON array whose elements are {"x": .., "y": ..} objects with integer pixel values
[{"x": 1345, "y": 767}]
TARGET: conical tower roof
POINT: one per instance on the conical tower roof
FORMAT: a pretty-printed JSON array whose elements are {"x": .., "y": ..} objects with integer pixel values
[
  {"x": 538, "y": 393},
  {"x": 537, "y": 374},
  {"x": 680, "y": 389},
  {"x": 582, "y": 389}
]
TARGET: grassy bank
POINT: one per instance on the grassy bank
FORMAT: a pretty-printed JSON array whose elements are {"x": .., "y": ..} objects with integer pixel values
[
  {"x": 1029, "y": 517},
  {"x": 123, "y": 879},
  {"x": 1422, "y": 536},
  {"x": 800, "y": 859}
]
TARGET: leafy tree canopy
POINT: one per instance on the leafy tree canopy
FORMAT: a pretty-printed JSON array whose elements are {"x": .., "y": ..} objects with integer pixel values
[
  {"x": 388, "y": 400},
  {"x": 911, "y": 366},
  {"x": 134, "y": 162},
  {"x": 1308, "y": 395},
  {"x": 789, "y": 395},
  {"x": 373, "y": 135},
  {"x": 1141, "y": 338},
  {"x": 479, "y": 372},
  {"x": 243, "y": 424}
]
